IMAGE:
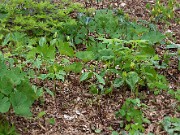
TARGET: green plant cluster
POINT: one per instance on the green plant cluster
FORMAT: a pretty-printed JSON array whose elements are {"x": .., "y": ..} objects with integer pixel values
[
  {"x": 171, "y": 125},
  {"x": 6, "y": 128},
  {"x": 132, "y": 116},
  {"x": 128, "y": 55},
  {"x": 163, "y": 12},
  {"x": 48, "y": 41},
  {"x": 15, "y": 90},
  {"x": 35, "y": 18}
]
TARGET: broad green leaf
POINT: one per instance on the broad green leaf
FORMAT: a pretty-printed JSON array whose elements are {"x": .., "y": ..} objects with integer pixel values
[
  {"x": 20, "y": 104},
  {"x": 106, "y": 54},
  {"x": 85, "y": 76},
  {"x": 131, "y": 79},
  {"x": 6, "y": 86},
  {"x": 153, "y": 37},
  {"x": 3, "y": 69},
  {"x": 99, "y": 78},
  {"x": 148, "y": 50},
  {"x": 118, "y": 82},
  {"x": 16, "y": 76},
  {"x": 61, "y": 72},
  {"x": 22, "y": 110},
  {"x": 26, "y": 90},
  {"x": 75, "y": 67},
  {"x": 78, "y": 40},
  {"x": 85, "y": 55},
  {"x": 65, "y": 49},
  {"x": 48, "y": 52},
  {"x": 4, "y": 104},
  {"x": 32, "y": 53}
]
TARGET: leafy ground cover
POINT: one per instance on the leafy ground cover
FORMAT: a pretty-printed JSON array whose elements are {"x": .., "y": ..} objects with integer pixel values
[{"x": 109, "y": 68}]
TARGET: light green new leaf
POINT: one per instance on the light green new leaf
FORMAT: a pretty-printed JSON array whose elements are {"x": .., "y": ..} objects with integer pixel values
[
  {"x": 85, "y": 55},
  {"x": 131, "y": 79},
  {"x": 65, "y": 49},
  {"x": 42, "y": 41},
  {"x": 118, "y": 82},
  {"x": 4, "y": 104},
  {"x": 85, "y": 76},
  {"x": 99, "y": 78}
]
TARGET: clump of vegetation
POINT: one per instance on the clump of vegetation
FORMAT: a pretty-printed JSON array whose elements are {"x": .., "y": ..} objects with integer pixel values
[
  {"x": 47, "y": 42},
  {"x": 163, "y": 12},
  {"x": 171, "y": 125},
  {"x": 132, "y": 116},
  {"x": 6, "y": 128}
]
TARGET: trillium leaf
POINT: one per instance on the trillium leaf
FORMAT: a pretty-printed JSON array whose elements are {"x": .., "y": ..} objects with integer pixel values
[
  {"x": 131, "y": 79},
  {"x": 85, "y": 76},
  {"x": 4, "y": 104},
  {"x": 100, "y": 79}
]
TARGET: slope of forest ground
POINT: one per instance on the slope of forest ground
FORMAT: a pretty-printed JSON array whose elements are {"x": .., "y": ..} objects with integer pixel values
[{"x": 75, "y": 111}]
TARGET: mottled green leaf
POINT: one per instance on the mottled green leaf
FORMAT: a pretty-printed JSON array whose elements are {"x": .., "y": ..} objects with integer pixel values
[
  {"x": 99, "y": 78},
  {"x": 131, "y": 79}
]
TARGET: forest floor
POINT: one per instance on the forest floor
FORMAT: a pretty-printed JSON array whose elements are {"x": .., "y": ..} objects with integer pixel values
[{"x": 76, "y": 112}]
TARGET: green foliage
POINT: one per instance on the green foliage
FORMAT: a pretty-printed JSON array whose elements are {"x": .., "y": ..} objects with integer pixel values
[
  {"x": 132, "y": 116},
  {"x": 175, "y": 94},
  {"x": 35, "y": 18},
  {"x": 6, "y": 128},
  {"x": 162, "y": 12},
  {"x": 15, "y": 91},
  {"x": 171, "y": 125},
  {"x": 177, "y": 54},
  {"x": 42, "y": 40},
  {"x": 131, "y": 59}
]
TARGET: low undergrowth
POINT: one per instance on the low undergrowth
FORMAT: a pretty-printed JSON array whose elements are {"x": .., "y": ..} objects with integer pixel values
[{"x": 40, "y": 40}]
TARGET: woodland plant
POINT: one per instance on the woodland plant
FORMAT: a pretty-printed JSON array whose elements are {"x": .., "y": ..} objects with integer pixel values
[
  {"x": 162, "y": 12},
  {"x": 35, "y": 18},
  {"x": 15, "y": 90},
  {"x": 43, "y": 40},
  {"x": 132, "y": 116},
  {"x": 130, "y": 57}
]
